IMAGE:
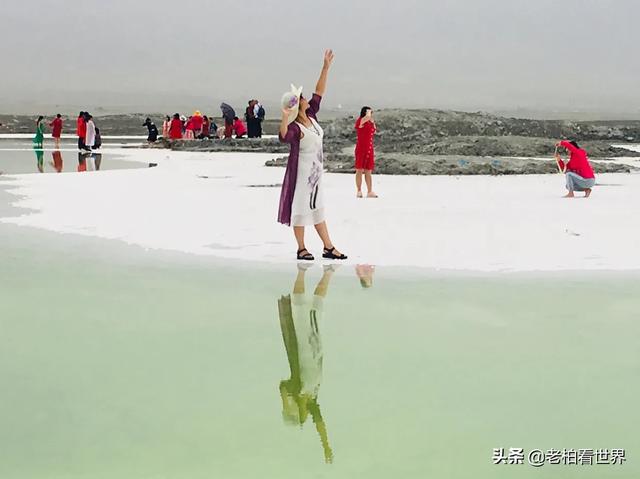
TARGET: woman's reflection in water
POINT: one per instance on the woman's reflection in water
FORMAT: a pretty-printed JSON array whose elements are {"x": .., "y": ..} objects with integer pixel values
[
  {"x": 300, "y": 316},
  {"x": 39, "y": 158},
  {"x": 97, "y": 161},
  {"x": 57, "y": 163}
]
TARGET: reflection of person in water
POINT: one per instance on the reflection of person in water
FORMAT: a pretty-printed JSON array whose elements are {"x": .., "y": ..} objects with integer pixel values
[
  {"x": 97, "y": 161},
  {"x": 57, "y": 160},
  {"x": 82, "y": 161},
  {"x": 300, "y": 316},
  {"x": 89, "y": 161},
  {"x": 365, "y": 274},
  {"x": 39, "y": 157}
]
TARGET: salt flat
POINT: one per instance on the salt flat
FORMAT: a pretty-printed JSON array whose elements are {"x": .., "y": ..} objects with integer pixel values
[{"x": 225, "y": 204}]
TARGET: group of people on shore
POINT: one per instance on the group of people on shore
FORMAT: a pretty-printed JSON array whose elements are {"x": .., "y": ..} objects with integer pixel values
[
  {"x": 254, "y": 115},
  {"x": 194, "y": 127},
  {"x": 179, "y": 127},
  {"x": 88, "y": 133},
  {"x": 252, "y": 126},
  {"x": 56, "y": 131},
  {"x": 204, "y": 127}
]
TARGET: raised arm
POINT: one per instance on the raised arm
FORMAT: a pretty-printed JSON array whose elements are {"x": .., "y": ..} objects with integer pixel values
[
  {"x": 286, "y": 134},
  {"x": 284, "y": 123},
  {"x": 567, "y": 145},
  {"x": 321, "y": 86},
  {"x": 562, "y": 167},
  {"x": 365, "y": 119}
]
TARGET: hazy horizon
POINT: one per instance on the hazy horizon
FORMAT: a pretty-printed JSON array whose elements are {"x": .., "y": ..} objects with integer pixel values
[{"x": 573, "y": 55}]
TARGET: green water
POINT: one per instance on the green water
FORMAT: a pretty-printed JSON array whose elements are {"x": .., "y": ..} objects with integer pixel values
[{"x": 120, "y": 363}]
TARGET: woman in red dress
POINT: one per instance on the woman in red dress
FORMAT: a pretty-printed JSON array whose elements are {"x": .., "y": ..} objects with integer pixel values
[
  {"x": 175, "y": 128},
  {"x": 56, "y": 130},
  {"x": 365, "y": 129}
]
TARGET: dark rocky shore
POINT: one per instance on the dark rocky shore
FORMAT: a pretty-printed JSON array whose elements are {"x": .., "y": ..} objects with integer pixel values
[
  {"x": 423, "y": 142},
  {"x": 403, "y": 164}
]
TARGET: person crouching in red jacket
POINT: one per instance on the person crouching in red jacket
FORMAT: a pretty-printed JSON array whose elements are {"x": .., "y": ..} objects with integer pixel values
[
  {"x": 239, "y": 127},
  {"x": 578, "y": 171}
]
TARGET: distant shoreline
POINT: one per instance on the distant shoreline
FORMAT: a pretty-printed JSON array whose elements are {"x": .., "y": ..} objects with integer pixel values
[{"x": 414, "y": 142}]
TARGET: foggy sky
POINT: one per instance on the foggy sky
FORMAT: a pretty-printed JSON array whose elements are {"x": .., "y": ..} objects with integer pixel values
[{"x": 468, "y": 54}]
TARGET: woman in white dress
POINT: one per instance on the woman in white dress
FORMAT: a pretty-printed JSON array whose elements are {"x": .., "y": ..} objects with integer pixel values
[
  {"x": 90, "y": 137},
  {"x": 302, "y": 196}
]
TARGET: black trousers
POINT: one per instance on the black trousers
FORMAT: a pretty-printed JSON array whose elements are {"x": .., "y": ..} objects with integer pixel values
[{"x": 253, "y": 125}]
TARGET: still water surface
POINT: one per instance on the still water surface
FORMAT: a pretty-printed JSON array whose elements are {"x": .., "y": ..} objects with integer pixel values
[
  {"x": 19, "y": 157},
  {"x": 120, "y": 363}
]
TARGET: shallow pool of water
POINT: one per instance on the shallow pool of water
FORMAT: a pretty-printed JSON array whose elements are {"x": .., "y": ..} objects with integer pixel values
[
  {"x": 19, "y": 157},
  {"x": 117, "y": 362}
]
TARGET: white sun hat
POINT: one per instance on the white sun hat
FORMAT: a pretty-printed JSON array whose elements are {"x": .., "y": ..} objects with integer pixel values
[{"x": 291, "y": 100}]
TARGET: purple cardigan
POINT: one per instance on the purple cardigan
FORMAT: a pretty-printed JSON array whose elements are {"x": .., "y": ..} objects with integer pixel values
[{"x": 291, "y": 174}]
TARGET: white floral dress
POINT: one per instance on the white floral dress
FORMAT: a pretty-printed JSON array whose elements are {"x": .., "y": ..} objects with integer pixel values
[{"x": 308, "y": 200}]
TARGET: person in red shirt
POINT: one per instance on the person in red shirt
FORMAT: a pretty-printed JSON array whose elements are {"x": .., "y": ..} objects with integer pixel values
[
  {"x": 206, "y": 128},
  {"x": 56, "y": 130},
  {"x": 81, "y": 130},
  {"x": 239, "y": 127},
  {"x": 175, "y": 128},
  {"x": 196, "y": 123},
  {"x": 189, "y": 133},
  {"x": 365, "y": 130},
  {"x": 578, "y": 171}
]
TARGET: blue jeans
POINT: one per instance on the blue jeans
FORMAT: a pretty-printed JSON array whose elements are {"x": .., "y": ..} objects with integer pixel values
[{"x": 575, "y": 182}]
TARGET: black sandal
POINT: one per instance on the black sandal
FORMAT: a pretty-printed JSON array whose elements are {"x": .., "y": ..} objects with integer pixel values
[
  {"x": 305, "y": 257},
  {"x": 329, "y": 254}
]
